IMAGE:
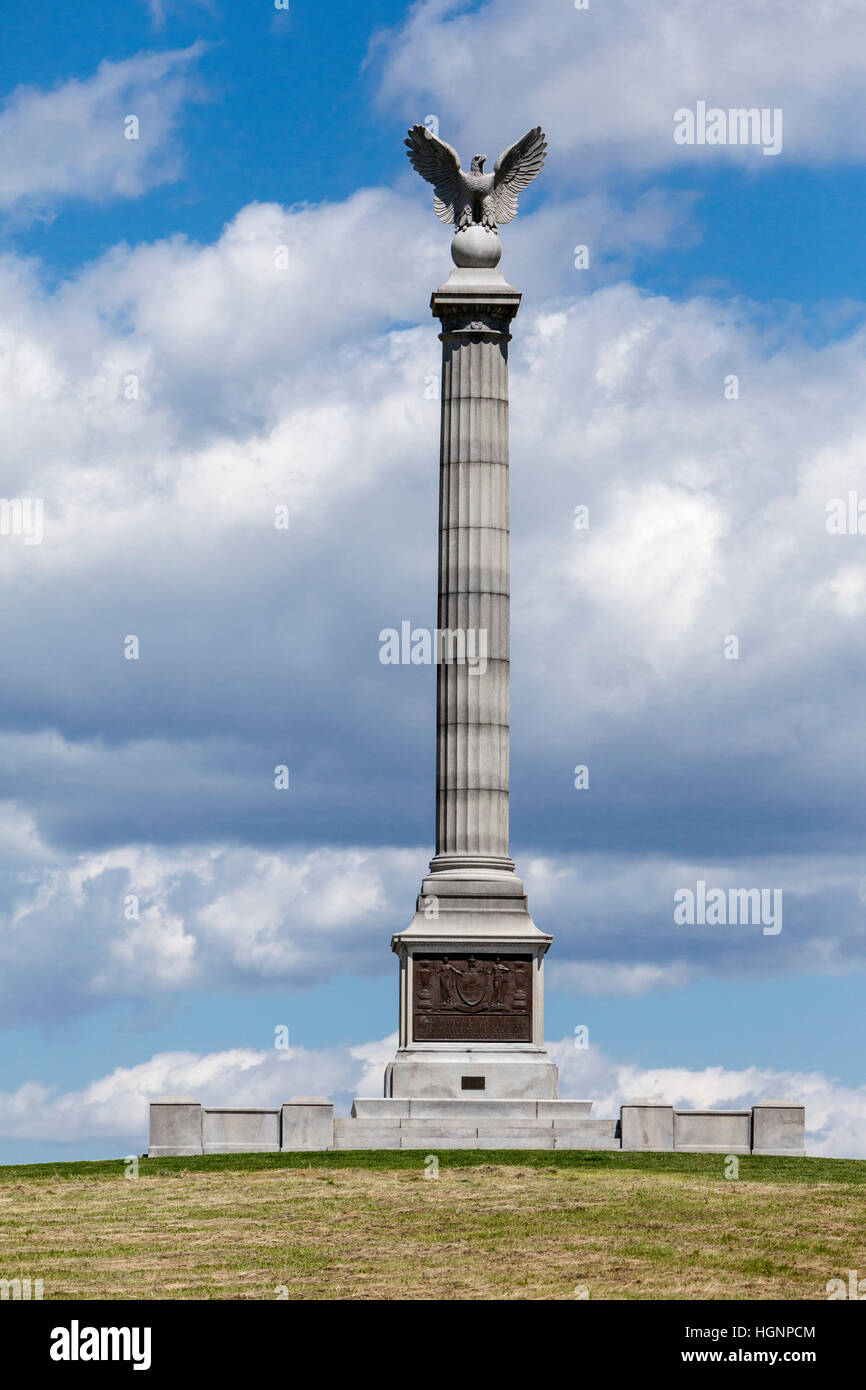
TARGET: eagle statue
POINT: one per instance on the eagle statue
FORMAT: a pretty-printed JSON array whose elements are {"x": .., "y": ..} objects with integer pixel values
[{"x": 476, "y": 199}]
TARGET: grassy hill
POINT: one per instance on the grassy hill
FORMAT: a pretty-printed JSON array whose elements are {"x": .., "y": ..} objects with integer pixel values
[{"x": 498, "y": 1225}]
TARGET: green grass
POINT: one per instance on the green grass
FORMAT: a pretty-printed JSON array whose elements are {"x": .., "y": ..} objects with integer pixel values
[
  {"x": 492, "y": 1225},
  {"x": 752, "y": 1167}
]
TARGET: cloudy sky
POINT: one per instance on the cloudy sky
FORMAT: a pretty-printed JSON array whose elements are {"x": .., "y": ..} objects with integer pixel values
[{"x": 219, "y": 309}]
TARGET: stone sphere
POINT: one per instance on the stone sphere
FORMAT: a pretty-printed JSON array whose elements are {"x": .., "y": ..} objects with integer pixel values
[{"x": 476, "y": 248}]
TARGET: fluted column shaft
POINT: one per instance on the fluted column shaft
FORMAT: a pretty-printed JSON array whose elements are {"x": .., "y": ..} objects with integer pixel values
[{"x": 473, "y": 693}]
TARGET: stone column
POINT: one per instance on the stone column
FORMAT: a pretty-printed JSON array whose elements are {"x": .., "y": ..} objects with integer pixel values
[
  {"x": 473, "y": 692},
  {"x": 471, "y": 960}
]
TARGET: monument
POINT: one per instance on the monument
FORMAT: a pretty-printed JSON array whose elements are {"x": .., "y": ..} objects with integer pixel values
[
  {"x": 471, "y": 1070},
  {"x": 472, "y": 959}
]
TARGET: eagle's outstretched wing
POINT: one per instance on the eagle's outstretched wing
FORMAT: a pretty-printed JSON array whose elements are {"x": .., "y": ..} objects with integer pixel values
[
  {"x": 439, "y": 164},
  {"x": 515, "y": 168}
]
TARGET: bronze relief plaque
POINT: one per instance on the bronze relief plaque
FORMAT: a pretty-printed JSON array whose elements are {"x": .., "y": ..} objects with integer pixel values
[{"x": 472, "y": 998}]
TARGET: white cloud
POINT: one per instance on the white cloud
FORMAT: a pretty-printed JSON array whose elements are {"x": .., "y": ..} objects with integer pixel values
[
  {"x": 835, "y": 1114},
  {"x": 141, "y": 922},
  {"x": 136, "y": 922},
  {"x": 605, "y": 82},
  {"x": 618, "y": 978},
  {"x": 654, "y": 561},
  {"x": 261, "y": 386},
  {"x": 116, "y": 1105},
  {"x": 70, "y": 141},
  {"x": 305, "y": 385}
]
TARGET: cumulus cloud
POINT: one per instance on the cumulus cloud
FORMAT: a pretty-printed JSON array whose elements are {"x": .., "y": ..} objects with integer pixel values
[
  {"x": 166, "y": 399},
  {"x": 114, "y": 1107},
  {"x": 116, "y": 1104},
  {"x": 140, "y": 922},
  {"x": 135, "y": 922},
  {"x": 605, "y": 81},
  {"x": 75, "y": 141},
  {"x": 835, "y": 1114}
]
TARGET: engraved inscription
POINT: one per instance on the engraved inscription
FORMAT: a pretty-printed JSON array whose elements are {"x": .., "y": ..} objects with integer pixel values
[{"x": 472, "y": 998}]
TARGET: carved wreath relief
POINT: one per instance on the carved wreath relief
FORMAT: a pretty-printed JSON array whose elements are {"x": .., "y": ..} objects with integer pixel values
[{"x": 472, "y": 998}]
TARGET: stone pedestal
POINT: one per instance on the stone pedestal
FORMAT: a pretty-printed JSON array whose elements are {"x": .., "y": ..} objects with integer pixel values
[
  {"x": 471, "y": 960},
  {"x": 647, "y": 1124},
  {"x": 307, "y": 1123},
  {"x": 175, "y": 1127},
  {"x": 779, "y": 1127}
]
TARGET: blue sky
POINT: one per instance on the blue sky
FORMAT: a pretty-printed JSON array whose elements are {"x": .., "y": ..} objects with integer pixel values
[{"x": 154, "y": 259}]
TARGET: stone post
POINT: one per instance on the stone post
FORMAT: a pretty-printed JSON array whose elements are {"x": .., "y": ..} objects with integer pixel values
[
  {"x": 471, "y": 961},
  {"x": 473, "y": 613}
]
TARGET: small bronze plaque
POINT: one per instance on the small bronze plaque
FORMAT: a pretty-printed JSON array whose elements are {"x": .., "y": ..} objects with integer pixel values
[
  {"x": 472, "y": 1083},
  {"x": 472, "y": 998}
]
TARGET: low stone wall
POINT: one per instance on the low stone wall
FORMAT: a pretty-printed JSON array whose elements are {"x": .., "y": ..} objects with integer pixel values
[
  {"x": 770, "y": 1127},
  {"x": 181, "y": 1127},
  {"x": 713, "y": 1131}
]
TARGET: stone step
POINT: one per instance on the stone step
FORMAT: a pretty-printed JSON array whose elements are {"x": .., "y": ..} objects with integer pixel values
[
  {"x": 476, "y": 1126},
  {"x": 386, "y": 1122},
  {"x": 450, "y": 1108},
  {"x": 429, "y": 1139},
  {"x": 504, "y": 1131},
  {"x": 362, "y": 1126},
  {"x": 350, "y": 1134},
  {"x": 559, "y": 1110},
  {"x": 475, "y": 1110},
  {"x": 470, "y": 1124},
  {"x": 517, "y": 1139},
  {"x": 430, "y": 1135},
  {"x": 453, "y": 1129},
  {"x": 596, "y": 1134}
]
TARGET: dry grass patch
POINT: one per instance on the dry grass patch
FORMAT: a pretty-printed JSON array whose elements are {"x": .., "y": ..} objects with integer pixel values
[{"x": 484, "y": 1231}]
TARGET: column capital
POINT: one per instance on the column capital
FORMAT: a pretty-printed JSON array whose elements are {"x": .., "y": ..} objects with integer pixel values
[{"x": 475, "y": 301}]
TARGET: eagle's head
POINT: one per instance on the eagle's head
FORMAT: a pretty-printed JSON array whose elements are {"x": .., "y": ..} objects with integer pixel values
[{"x": 478, "y": 162}]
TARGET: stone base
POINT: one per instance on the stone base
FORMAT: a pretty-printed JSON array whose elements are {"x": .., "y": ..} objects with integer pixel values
[
  {"x": 472, "y": 1110},
  {"x": 181, "y": 1127},
  {"x": 647, "y": 1124},
  {"x": 307, "y": 1123},
  {"x": 175, "y": 1127},
  {"x": 472, "y": 908},
  {"x": 778, "y": 1128},
  {"x": 427, "y": 1123},
  {"x": 455, "y": 1073}
]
